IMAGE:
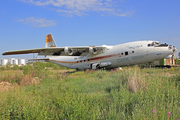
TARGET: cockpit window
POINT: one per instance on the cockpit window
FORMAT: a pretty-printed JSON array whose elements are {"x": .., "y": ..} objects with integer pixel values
[
  {"x": 152, "y": 44},
  {"x": 157, "y": 44}
]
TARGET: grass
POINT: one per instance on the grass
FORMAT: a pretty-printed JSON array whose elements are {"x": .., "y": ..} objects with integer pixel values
[{"x": 133, "y": 93}]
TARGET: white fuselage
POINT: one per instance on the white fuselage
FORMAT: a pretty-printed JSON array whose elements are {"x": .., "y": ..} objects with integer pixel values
[{"x": 119, "y": 55}]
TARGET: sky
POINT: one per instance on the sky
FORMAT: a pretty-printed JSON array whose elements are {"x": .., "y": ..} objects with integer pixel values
[{"x": 24, "y": 24}]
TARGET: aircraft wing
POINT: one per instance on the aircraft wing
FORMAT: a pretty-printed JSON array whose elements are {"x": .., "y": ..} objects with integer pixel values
[
  {"x": 54, "y": 50},
  {"x": 27, "y": 51}
]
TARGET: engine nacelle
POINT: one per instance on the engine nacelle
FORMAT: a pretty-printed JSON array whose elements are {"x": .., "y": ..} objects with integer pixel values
[
  {"x": 95, "y": 66},
  {"x": 104, "y": 64},
  {"x": 93, "y": 50},
  {"x": 68, "y": 51}
]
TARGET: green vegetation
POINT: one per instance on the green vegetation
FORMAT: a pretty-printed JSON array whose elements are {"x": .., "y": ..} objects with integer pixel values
[
  {"x": 177, "y": 61},
  {"x": 133, "y": 93},
  {"x": 162, "y": 61},
  {"x": 40, "y": 65}
]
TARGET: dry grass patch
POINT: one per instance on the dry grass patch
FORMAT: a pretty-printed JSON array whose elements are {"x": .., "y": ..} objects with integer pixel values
[
  {"x": 5, "y": 86},
  {"x": 136, "y": 82},
  {"x": 28, "y": 80}
]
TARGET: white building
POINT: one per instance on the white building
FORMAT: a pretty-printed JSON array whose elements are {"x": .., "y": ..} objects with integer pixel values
[
  {"x": 21, "y": 61},
  {"x": 13, "y": 61},
  {"x": 4, "y": 62}
]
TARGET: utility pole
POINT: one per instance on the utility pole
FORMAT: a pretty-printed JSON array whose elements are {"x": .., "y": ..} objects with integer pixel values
[
  {"x": 33, "y": 61},
  {"x": 33, "y": 57}
]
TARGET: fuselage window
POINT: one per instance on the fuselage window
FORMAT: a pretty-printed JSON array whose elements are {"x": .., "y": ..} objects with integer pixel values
[
  {"x": 77, "y": 61},
  {"x": 121, "y": 53},
  {"x": 132, "y": 51},
  {"x": 81, "y": 61},
  {"x": 151, "y": 45},
  {"x": 84, "y": 60},
  {"x": 88, "y": 60},
  {"x": 126, "y": 53}
]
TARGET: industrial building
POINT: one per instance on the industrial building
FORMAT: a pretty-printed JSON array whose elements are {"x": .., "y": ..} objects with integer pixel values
[
  {"x": 21, "y": 61},
  {"x": 12, "y": 61},
  {"x": 3, "y": 62},
  {"x": 169, "y": 61}
]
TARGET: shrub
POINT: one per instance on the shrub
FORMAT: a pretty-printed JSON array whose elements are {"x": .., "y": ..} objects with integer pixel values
[
  {"x": 15, "y": 67},
  {"x": 27, "y": 69}
]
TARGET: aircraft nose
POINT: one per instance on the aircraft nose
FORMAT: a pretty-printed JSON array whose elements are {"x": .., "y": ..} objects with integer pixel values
[{"x": 174, "y": 49}]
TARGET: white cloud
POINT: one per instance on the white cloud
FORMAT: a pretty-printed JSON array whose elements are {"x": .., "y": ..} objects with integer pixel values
[
  {"x": 38, "y": 22},
  {"x": 122, "y": 14},
  {"x": 177, "y": 39},
  {"x": 82, "y": 7}
]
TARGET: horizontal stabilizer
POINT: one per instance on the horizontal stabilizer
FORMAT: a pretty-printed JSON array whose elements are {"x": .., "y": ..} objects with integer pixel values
[{"x": 46, "y": 59}]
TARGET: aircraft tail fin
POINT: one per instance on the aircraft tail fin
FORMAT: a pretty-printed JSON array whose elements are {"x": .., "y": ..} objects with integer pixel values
[{"x": 49, "y": 41}]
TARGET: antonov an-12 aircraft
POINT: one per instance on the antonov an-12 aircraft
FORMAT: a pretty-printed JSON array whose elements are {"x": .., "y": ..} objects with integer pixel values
[{"x": 97, "y": 57}]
